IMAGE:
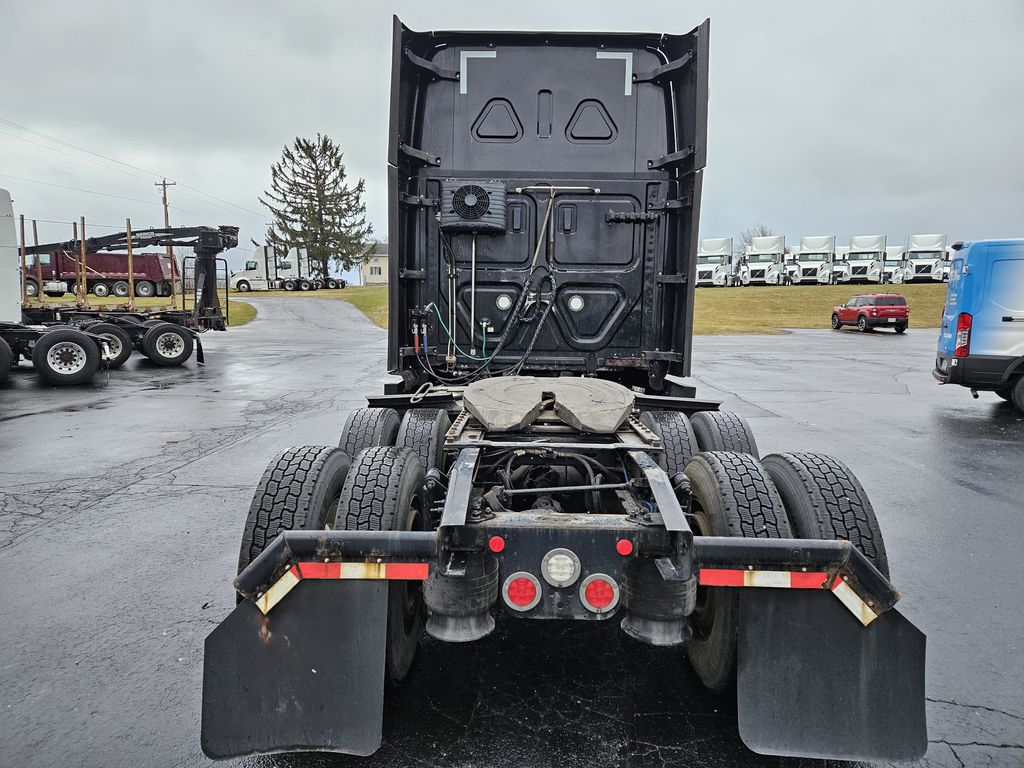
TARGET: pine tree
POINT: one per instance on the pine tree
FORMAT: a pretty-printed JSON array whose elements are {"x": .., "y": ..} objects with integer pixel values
[{"x": 315, "y": 208}]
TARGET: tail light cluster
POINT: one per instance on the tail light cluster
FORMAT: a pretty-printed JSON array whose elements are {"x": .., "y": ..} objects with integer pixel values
[
  {"x": 963, "y": 335},
  {"x": 561, "y": 568}
]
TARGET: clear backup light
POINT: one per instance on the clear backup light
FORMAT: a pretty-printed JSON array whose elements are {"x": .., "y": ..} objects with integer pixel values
[{"x": 560, "y": 567}]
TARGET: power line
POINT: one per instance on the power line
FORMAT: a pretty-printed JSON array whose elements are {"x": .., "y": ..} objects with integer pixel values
[
  {"x": 74, "y": 157},
  {"x": 74, "y": 146},
  {"x": 79, "y": 189},
  {"x": 11, "y": 123}
]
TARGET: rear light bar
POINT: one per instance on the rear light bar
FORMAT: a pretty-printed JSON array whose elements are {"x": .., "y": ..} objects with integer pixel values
[{"x": 963, "y": 335}]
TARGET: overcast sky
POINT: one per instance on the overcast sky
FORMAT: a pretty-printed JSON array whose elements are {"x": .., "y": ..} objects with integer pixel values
[{"x": 825, "y": 118}]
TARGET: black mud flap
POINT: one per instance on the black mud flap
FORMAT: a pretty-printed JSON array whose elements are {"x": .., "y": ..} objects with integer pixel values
[
  {"x": 308, "y": 676},
  {"x": 813, "y": 681}
]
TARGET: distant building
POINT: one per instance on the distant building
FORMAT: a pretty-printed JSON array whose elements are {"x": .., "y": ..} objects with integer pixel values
[{"x": 374, "y": 271}]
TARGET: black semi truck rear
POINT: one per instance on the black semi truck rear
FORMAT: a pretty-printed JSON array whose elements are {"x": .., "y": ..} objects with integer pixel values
[{"x": 539, "y": 455}]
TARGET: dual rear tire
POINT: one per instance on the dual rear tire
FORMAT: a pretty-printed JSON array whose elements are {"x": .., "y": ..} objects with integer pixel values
[
  {"x": 683, "y": 437},
  {"x": 168, "y": 344},
  {"x": 788, "y": 495},
  {"x": 65, "y": 356},
  {"x": 318, "y": 488},
  {"x": 421, "y": 430},
  {"x": 380, "y": 488},
  {"x": 118, "y": 342}
]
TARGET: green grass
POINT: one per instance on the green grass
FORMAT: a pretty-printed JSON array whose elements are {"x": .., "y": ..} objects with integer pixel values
[
  {"x": 770, "y": 309},
  {"x": 240, "y": 312},
  {"x": 756, "y": 309}
]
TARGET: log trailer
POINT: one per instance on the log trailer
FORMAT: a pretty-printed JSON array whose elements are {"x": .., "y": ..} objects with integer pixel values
[
  {"x": 540, "y": 456},
  {"x": 69, "y": 344}
]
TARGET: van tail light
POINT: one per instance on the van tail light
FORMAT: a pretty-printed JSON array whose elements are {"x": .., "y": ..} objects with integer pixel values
[{"x": 963, "y": 335}]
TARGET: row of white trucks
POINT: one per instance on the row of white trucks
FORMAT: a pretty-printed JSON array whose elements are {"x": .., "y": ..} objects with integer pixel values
[
  {"x": 272, "y": 269},
  {"x": 818, "y": 261}
]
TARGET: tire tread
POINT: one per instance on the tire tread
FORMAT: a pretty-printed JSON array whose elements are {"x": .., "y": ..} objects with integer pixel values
[
  {"x": 367, "y": 427},
  {"x": 282, "y": 500},
  {"x": 839, "y": 504},
  {"x": 723, "y": 431}
]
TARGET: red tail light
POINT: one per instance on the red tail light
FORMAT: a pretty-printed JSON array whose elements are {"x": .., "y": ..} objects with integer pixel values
[
  {"x": 599, "y": 593},
  {"x": 963, "y": 335},
  {"x": 521, "y": 591}
]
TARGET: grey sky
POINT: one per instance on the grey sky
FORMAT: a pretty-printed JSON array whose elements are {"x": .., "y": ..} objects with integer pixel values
[{"x": 825, "y": 118}]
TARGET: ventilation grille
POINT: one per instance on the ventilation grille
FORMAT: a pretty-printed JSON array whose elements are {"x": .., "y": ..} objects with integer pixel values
[{"x": 472, "y": 206}]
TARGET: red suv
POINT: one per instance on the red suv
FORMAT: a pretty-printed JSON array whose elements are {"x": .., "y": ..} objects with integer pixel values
[{"x": 873, "y": 311}]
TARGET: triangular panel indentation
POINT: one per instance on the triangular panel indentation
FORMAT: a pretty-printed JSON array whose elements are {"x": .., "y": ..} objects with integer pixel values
[
  {"x": 497, "y": 121},
  {"x": 591, "y": 122}
]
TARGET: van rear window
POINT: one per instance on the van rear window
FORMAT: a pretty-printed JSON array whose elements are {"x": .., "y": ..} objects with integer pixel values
[{"x": 890, "y": 301}]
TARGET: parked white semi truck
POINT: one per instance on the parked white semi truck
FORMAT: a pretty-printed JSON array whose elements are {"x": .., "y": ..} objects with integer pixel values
[
  {"x": 947, "y": 259},
  {"x": 714, "y": 262},
  {"x": 766, "y": 257},
  {"x": 811, "y": 263},
  {"x": 896, "y": 268},
  {"x": 865, "y": 257},
  {"x": 926, "y": 257},
  {"x": 268, "y": 270}
]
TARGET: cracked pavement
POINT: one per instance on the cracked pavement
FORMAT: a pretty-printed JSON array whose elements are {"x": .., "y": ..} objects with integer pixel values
[{"x": 121, "y": 508}]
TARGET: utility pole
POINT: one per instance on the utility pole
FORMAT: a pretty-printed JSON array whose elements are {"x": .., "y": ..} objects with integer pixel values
[{"x": 167, "y": 223}]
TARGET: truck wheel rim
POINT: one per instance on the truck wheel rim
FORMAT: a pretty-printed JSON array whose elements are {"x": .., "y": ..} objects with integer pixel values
[
  {"x": 702, "y": 620},
  {"x": 30, "y": 289},
  {"x": 113, "y": 343},
  {"x": 66, "y": 357},
  {"x": 169, "y": 344}
]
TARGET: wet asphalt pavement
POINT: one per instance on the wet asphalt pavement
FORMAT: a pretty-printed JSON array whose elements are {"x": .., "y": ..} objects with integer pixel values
[{"x": 121, "y": 508}]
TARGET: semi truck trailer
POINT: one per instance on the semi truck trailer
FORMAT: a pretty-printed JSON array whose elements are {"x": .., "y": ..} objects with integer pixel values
[
  {"x": 565, "y": 472},
  {"x": 68, "y": 345},
  {"x": 714, "y": 262}
]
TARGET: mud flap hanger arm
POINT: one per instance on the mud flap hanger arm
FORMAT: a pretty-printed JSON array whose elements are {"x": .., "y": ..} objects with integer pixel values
[
  {"x": 295, "y": 546},
  {"x": 839, "y": 560}
]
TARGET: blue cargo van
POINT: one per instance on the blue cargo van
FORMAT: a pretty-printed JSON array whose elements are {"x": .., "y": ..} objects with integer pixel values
[{"x": 981, "y": 344}]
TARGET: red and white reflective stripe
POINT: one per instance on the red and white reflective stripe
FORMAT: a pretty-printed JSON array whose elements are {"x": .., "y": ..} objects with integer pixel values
[
  {"x": 354, "y": 571},
  {"x": 736, "y": 577}
]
